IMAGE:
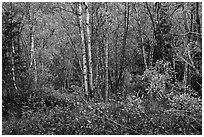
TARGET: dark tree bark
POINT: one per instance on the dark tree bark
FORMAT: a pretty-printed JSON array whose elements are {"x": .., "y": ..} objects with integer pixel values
[
  {"x": 154, "y": 36},
  {"x": 199, "y": 38},
  {"x": 125, "y": 33}
]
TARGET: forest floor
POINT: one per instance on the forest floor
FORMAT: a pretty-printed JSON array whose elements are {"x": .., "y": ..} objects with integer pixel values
[{"x": 70, "y": 114}]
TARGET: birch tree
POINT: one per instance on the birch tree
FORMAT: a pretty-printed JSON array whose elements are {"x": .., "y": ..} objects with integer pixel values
[
  {"x": 13, "y": 65},
  {"x": 85, "y": 77},
  {"x": 89, "y": 47},
  {"x": 32, "y": 44},
  {"x": 13, "y": 55}
]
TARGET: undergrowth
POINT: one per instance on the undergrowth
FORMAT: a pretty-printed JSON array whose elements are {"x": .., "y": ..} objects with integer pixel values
[
  {"x": 158, "y": 112},
  {"x": 132, "y": 117}
]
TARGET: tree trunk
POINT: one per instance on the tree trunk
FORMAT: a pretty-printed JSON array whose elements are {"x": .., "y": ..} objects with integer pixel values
[
  {"x": 97, "y": 67},
  {"x": 174, "y": 66},
  {"x": 141, "y": 38},
  {"x": 97, "y": 56},
  {"x": 106, "y": 61},
  {"x": 35, "y": 71},
  {"x": 154, "y": 37},
  {"x": 32, "y": 44},
  {"x": 122, "y": 59},
  {"x": 114, "y": 80},
  {"x": 144, "y": 56},
  {"x": 13, "y": 65},
  {"x": 106, "y": 71},
  {"x": 199, "y": 38},
  {"x": 89, "y": 48},
  {"x": 83, "y": 51},
  {"x": 13, "y": 56},
  {"x": 185, "y": 77},
  {"x": 116, "y": 56}
]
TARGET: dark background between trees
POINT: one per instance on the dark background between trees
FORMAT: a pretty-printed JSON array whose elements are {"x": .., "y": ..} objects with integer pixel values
[{"x": 102, "y": 68}]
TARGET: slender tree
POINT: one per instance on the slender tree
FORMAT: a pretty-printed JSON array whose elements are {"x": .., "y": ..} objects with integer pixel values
[
  {"x": 96, "y": 31},
  {"x": 197, "y": 19},
  {"x": 185, "y": 77},
  {"x": 125, "y": 28},
  {"x": 106, "y": 59},
  {"x": 154, "y": 35},
  {"x": 13, "y": 54},
  {"x": 13, "y": 65},
  {"x": 140, "y": 36},
  {"x": 32, "y": 44},
  {"x": 89, "y": 47},
  {"x": 83, "y": 51}
]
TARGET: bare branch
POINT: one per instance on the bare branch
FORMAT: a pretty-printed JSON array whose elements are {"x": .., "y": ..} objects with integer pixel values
[
  {"x": 63, "y": 9},
  {"x": 184, "y": 34}
]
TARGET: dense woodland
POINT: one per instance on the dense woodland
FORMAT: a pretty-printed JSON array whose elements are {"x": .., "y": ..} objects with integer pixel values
[{"x": 102, "y": 68}]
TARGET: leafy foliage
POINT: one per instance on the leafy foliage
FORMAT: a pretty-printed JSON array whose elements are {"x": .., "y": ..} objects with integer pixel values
[
  {"x": 143, "y": 100},
  {"x": 71, "y": 114}
]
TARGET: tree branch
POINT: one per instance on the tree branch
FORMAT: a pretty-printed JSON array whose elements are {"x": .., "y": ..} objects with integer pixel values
[
  {"x": 60, "y": 8},
  {"x": 186, "y": 61},
  {"x": 184, "y": 34},
  {"x": 150, "y": 15}
]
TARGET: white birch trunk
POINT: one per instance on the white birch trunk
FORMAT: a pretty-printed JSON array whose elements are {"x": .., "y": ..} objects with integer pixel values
[
  {"x": 144, "y": 56},
  {"x": 32, "y": 46},
  {"x": 13, "y": 59},
  {"x": 89, "y": 47},
  {"x": 13, "y": 65},
  {"x": 33, "y": 60},
  {"x": 83, "y": 50}
]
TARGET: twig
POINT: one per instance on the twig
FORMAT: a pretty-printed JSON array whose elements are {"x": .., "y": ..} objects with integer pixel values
[
  {"x": 186, "y": 61},
  {"x": 188, "y": 64},
  {"x": 184, "y": 34},
  {"x": 184, "y": 115},
  {"x": 150, "y": 15},
  {"x": 176, "y": 110},
  {"x": 179, "y": 6},
  {"x": 106, "y": 117},
  {"x": 60, "y": 8},
  {"x": 189, "y": 125},
  {"x": 196, "y": 120}
]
